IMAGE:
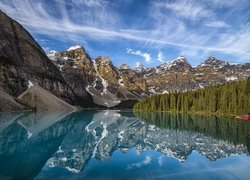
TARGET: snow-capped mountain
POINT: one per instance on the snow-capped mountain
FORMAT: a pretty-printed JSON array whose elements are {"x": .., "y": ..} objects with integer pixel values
[
  {"x": 99, "y": 80},
  {"x": 74, "y": 48},
  {"x": 109, "y": 86},
  {"x": 139, "y": 68},
  {"x": 53, "y": 55},
  {"x": 124, "y": 66},
  {"x": 175, "y": 64},
  {"x": 179, "y": 75}
]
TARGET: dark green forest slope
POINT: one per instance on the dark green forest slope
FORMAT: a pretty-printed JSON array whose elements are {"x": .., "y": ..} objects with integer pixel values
[{"x": 231, "y": 99}]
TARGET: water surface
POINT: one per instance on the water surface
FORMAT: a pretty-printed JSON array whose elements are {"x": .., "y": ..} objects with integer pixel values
[{"x": 121, "y": 145}]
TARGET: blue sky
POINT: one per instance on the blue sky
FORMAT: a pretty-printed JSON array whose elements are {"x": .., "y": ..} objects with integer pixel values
[{"x": 146, "y": 31}]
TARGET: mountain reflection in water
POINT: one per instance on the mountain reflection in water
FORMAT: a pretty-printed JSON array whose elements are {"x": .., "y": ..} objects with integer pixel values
[{"x": 115, "y": 144}]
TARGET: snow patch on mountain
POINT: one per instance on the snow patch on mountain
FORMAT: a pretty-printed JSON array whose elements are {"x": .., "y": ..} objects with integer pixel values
[
  {"x": 65, "y": 58},
  {"x": 165, "y": 92},
  {"x": 74, "y": 48},
  {"x": 104, "y": 82},
  {"x": 152, "y": 90},
  {"x": 53, "y": 55},
  {"x": 88, "y": 89},
  {"x": 30, "y": 84},
  {"x": 124, "y": 66},
  {"x": 120, "y": 81},
  {"x": 231, "y": 78},
  {"x": 201, "y": 86},
  {"x": 139, "y": 68},
  {"x": 215, "y": 63},
  {"x": 60, "y": 67},
  {"x": 174, "y": 62}
]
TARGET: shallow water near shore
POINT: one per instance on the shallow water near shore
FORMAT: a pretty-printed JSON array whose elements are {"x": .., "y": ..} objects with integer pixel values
[{"x": 114, "y": 144}]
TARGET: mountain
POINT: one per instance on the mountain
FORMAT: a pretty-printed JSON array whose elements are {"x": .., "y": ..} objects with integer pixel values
[
  {"x": 179, "y": 75},
  {"x": 98, "y": 79},
  {"x": 109, "y": 85},
  {"x": 23, "y": 60}
]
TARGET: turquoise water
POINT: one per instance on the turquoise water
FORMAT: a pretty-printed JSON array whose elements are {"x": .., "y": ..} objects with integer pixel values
[{"x": 122, "y": 145}]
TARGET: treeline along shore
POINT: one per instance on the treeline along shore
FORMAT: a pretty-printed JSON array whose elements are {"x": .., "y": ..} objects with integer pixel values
[{"x": 226, "y": 99}]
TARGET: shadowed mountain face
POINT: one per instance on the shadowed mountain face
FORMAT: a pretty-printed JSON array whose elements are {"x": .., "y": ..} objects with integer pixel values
[
  {"x": 52, "y": 142},
  {"x": 23, "y": 60}
]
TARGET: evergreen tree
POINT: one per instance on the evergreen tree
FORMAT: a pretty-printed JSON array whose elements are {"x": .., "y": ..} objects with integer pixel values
[{"x": 231, "y": 98}]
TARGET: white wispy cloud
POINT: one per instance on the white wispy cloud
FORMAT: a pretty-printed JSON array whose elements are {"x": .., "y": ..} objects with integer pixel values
[
  {"x": 217, "y": 24},
  {"x": 199, "y": 40},
  {"x": 97, "y": 20},
  {"x": 186, "y": 9},
  {"x": 160, "y": 57},
  {"x": 90, "y": 3},
  {"x": 219, "y": 3},
  {"x": 145, "y": 55}
]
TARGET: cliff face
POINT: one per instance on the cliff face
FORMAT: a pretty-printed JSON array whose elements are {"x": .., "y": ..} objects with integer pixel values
[
  {"x": 9, "y": 104},
  {"x": 97, "y": 80},
  {"x": 22, "y": 59}
]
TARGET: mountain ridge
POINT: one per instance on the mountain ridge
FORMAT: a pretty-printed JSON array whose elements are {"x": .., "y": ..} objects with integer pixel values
[{"x": 175, "y": 75}]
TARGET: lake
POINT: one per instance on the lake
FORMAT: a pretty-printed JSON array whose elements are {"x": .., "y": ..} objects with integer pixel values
[{"x": 113, "y": 144}]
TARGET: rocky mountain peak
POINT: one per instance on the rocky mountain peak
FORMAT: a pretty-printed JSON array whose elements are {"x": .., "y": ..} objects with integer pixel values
[
  {"x": 103, "y": 60},
  {"x": 124, "y": 66},
  {"x": 212, "y": 61},
  {"x": 139, "y": 68},
  {"x": 180, "y": 63},
  {"x": 74, "y": 47},
  {"x": 181, "y": 58},
  {"x": 75, "y": 52},
  {"x": 53, "y": 55},
  {"x": 107, "y": 84},
  {"x": 74, "y": 56}
]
